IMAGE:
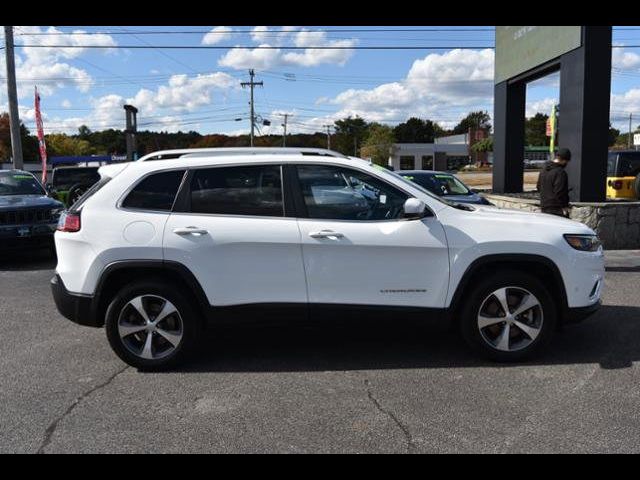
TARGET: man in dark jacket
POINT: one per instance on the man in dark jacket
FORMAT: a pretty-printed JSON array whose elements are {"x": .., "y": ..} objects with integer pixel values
[{"x": 553, "y": 185}]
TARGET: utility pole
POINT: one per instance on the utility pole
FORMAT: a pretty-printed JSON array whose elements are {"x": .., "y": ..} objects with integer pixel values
[
  {"x": 328, "y": 127},
  {"x": 12, "y": 95},
  {"x": 251, "y": 84},
  {"x": 630, "y": 133},
  {"x": 130, "y": 131},
  {"x": 284, "y": 137}
]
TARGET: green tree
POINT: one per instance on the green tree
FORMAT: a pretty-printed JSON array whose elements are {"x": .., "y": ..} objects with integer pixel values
[
  {"x": 378, "y": 144},
  {"x": 614, "y": 133},
  {"x": 350, "y": 133},
  {"x": 484, "y": 145},
  {"x": 479, "y": 119},
  {"x": 535, "y": 130},
  {"x": 60, "y": 144},
  {"x": 30, "y": 152},
  {"x": 416, "y": 130}
]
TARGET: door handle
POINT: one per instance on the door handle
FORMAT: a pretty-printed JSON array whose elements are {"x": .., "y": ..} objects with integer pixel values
[
  {"x": 190, "y": 231},
  {"x": 326, "y": 234}
]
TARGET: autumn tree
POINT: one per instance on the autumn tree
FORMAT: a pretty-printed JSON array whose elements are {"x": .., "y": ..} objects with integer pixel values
[{"x": 378, "y": 144}]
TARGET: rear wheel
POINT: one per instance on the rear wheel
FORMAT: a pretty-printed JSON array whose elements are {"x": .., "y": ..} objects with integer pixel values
[
  {"x": 509, "y": 316},
  {"x": 152, "y": 325}
]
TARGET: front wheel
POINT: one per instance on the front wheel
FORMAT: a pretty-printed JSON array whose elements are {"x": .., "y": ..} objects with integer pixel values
[
  {"x": 152, "y": 325},
  {"x": 509, "y": 316}
]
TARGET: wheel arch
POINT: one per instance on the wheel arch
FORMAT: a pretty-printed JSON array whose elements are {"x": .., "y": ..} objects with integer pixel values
[
  {"x": 119, "y": 273},
  {"x": 541, "y": 267}
]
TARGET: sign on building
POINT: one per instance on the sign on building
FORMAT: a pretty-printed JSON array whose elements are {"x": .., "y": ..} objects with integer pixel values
[{"x": 522, "y": 48}]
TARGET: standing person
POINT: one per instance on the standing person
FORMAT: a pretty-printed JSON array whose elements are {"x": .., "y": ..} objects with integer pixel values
[{"x": 553, "y": 185}]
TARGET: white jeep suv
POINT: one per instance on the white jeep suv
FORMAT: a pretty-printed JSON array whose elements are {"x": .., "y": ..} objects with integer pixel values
[{"x": 159, "y": 248}]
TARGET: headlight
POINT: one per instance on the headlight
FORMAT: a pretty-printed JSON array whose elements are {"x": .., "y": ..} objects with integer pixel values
[{"x": 585, "y": 243}]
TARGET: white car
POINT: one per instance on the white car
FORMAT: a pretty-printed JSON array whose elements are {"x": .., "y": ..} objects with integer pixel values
[{"x": 158, "y": 249}]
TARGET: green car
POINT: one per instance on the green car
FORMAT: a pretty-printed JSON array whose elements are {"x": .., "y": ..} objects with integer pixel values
[{"x": 68, "y": 184}]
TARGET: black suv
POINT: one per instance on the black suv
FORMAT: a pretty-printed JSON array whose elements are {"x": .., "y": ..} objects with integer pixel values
[{"x": 28, "y": 217}]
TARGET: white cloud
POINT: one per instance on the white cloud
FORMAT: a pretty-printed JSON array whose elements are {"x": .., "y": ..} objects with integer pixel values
[
  {"x": 66, "y": 104},
  {"x": 624, "y": 60},
  {"x": 628, "y": 101},
  {"x": 47, "y": 67},
  {"x": 184, "y": 93},
  {"x": 181, "y": 94},
  {"x": 242, "y": 58},
  {"x": 260, "y": 34},
  {"x": 217, "y": 35},
  {"x": 263, "y": 34},
  {"x": 443, "y": 86},
  {"x": 541, "y": 106},
  {"x": 265, "y": 57}
]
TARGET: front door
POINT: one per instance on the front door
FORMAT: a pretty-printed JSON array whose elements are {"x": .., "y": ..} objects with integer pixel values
[{"x": 359, "y": 250}]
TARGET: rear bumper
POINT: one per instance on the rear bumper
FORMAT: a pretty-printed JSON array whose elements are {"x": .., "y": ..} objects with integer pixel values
[
  {"x": 577, "y": 314},
  {"x": 75, "y": 307}
]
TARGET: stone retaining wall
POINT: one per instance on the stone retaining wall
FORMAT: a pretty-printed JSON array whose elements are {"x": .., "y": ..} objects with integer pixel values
[{"x": 616, "y": 223}]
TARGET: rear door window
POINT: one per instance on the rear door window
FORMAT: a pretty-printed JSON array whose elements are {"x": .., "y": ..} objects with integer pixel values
[{"x": 249, "y": 190}]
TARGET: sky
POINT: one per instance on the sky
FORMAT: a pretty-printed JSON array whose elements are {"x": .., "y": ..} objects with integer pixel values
[{"x": 179, "y": 89}]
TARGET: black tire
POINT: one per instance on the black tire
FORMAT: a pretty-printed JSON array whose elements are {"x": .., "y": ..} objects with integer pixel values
[
  {"x": 483, "y": 289},
  {"x": 75, "y": 192},
  {"x": 190, "y": 331}
]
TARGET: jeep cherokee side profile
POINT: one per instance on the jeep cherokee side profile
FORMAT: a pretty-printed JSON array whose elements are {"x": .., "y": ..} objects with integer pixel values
[{"x": 157, "y": 249}]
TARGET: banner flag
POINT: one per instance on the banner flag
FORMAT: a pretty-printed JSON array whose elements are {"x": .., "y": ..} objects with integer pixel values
[{"x": 41, "y": 142}]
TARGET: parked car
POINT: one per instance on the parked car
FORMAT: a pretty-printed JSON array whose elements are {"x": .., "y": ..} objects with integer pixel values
[
  {"x": 444, "y": 185},
  {"x": 157, "y": 250},
  {"x": 28, "y": 217},
  {"x": 68, "y": 184},
  {"x": 623, "y": 174}
]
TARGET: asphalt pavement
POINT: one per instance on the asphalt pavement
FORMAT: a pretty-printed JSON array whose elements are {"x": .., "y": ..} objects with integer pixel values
[{"x": 339, "y": 388}]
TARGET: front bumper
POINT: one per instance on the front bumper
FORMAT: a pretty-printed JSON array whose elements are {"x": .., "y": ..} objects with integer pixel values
[
  {"x": 577, "y": 314},
  {"x": 27, "y": 236},
  {"x": 76, "y": 307}
]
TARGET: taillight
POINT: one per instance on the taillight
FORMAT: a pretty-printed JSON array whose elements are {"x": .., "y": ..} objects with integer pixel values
[{"x": 69, "y": 222}]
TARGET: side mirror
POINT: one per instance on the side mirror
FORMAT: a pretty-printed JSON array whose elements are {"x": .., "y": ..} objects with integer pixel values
[
  {"x": 48, "y": 188},
  {"x": 414, "y": 208}
]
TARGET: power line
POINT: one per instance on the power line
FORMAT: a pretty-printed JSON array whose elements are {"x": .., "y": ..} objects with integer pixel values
[
  {"x": 274, "y": 47},
  {"x": 262, "y": 31}
]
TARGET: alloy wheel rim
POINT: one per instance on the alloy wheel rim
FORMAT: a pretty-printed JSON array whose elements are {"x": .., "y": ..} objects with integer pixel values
[
  {"x": 150, "y": 327},
  {"x": 510, "y": 319}
]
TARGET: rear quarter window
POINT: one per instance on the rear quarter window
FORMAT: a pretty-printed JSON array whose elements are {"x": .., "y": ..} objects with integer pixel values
[{"x": 155, "y": 192}]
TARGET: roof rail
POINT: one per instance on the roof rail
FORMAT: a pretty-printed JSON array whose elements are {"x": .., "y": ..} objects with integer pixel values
[{"x": 209, "y": 152}]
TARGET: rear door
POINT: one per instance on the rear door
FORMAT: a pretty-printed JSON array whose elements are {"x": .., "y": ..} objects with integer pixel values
[{"x": 231, "y": 231}]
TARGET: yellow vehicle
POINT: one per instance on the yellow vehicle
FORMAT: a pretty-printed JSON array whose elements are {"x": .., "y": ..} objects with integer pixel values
[{"x": 623, "y": 174}]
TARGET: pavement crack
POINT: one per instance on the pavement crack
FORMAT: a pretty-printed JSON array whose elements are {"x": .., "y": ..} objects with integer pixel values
[
  {"x": 411, "y": 446},
  {"x": 51, "y": 429}
]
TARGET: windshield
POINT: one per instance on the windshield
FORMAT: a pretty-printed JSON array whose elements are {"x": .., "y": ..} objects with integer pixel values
[
  {"x": 628, "y": 165},
  {"x": 383, "y": 171},
  {"x": 65, "y": 178},
  {"x": 12, "y": 183},
  {"x": 439, "y": 183}
]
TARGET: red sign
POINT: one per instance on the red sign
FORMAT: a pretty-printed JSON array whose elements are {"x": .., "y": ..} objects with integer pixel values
[{"x": 41, "y": 143}]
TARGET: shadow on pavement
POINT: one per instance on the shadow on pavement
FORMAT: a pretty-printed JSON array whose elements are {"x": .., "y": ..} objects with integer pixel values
[
  {"x": 610, "y": 338},
  {"x": 27, "y": 260}
]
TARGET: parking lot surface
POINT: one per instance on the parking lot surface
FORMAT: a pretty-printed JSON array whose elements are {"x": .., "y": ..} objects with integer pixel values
[{"x": 340, "y": 388}]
